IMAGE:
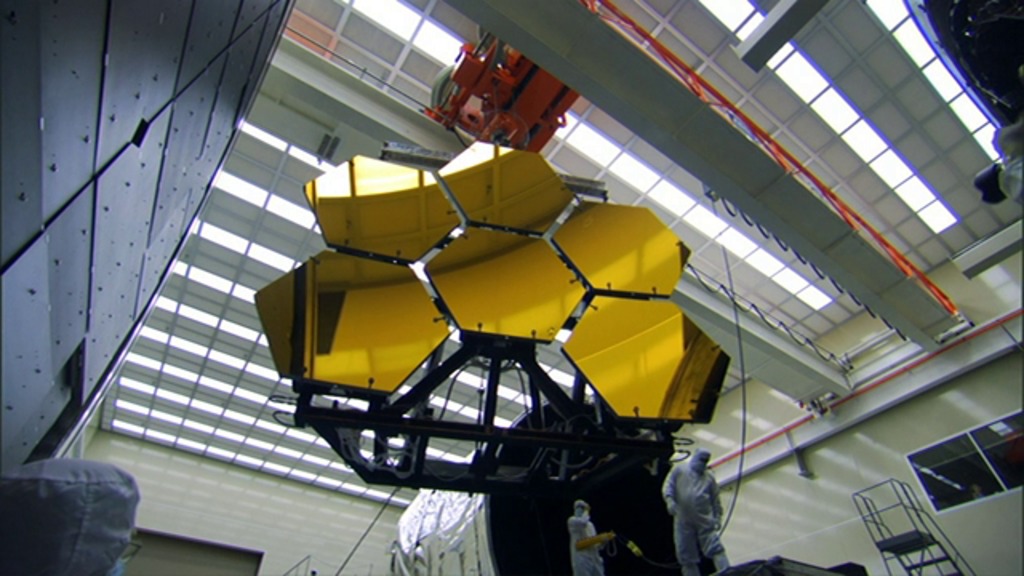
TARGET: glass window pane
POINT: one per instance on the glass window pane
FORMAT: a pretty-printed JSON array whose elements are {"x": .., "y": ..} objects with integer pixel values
[
  {"x": 1003, "y": 445},
  {"x": 953, "y": 473}
]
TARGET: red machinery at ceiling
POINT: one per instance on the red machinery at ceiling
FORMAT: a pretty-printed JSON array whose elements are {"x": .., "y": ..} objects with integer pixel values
[{"x": 496, "y": 94}]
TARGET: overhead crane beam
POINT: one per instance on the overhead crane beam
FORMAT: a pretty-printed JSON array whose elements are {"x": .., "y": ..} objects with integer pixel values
[{"x": 610, "y": 71}]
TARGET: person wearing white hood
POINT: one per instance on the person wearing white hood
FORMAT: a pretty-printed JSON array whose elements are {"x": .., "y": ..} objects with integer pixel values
[
  {"x": 585, "y": 543},
  {"x": 691, "y": 495}
]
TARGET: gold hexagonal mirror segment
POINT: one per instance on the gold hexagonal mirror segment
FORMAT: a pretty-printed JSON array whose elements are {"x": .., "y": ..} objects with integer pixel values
[
  {"x": 506, "y": 188},
  {"x": 363, "y": 324},
  {"x": 381, "y": 207},
  {"x": 507, "y": 284},
  {"x": 647, "y": 360},
  {"x": 623, "y": 249}
]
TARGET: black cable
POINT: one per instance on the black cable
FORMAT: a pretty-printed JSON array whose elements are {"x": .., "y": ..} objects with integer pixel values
[
  {"x": 383, "y": 507},
  {"x": 743, "y": 393}
]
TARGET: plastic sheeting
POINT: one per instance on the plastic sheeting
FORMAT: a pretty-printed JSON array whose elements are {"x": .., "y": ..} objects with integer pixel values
[{"x": 442, "y": 533}]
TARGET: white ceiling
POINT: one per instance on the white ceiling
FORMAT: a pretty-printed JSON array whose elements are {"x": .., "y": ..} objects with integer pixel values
[{"x": 199, "y": 375}]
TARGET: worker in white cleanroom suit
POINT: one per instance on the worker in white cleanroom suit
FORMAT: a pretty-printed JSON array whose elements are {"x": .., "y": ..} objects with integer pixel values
[
  {"x": 691, "y": 495},
  {"x": 585, "y": 543}
]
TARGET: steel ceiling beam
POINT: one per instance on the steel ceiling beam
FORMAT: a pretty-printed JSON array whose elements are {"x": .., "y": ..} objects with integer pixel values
[{"x": 608, "y": 70}]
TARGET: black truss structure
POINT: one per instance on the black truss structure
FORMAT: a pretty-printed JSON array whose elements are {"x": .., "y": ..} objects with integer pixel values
[{"x": 562, "y": 446}]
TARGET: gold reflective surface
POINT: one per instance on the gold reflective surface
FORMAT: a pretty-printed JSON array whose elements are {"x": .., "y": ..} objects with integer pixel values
[
  {"x": 500, "y": 283},
  {"x": 623, "y": 248},
  {"x": 645, "y": 359},
  {"x": 366, "y": 324}
]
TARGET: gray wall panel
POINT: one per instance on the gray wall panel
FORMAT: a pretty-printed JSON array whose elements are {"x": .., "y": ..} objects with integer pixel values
[
  {"x": 251, "y": 11},
  {"x": 209, "y": 33},
  {"x": 20, "y": 139},
  {"x": 145, "y": 46},
  {"x": 70, "y": 260},
  {"x": 72, "y": 63},
  {"x": 31, "y": 403}
]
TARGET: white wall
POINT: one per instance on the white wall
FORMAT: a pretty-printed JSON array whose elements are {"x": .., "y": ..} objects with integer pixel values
[
  {"x": 206, "y": 499},
  {"x": 814, "y": 520}
]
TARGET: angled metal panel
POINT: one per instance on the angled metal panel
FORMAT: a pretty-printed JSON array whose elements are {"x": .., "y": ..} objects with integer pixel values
[{"x": 611, "y": 72}]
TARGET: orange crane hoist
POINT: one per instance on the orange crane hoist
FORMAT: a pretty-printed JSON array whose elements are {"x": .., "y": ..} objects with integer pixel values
[{"x": 495, "y": 94}]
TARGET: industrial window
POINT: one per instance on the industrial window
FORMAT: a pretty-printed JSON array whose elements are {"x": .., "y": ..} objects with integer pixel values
[{"x": 974, "y": 465}]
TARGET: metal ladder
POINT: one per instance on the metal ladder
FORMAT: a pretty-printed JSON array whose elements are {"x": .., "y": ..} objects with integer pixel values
[{"x": 904, "y": 533}]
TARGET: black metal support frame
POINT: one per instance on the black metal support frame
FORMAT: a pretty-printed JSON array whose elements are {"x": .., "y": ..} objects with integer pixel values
[{"x": 562, "y": 446}]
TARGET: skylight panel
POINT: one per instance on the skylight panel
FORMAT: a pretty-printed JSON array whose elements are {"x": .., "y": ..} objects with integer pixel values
[
  {"x": 300, "y": 215},
  {"x": 968, "y": 112},
  {"x": 162, "y": 436},
  {"x": 736, "y": 242},
  {"x": 210, "y": 280},
  {"x": 165, "y": 303},
  {"x": 239, "y": 417},
  {"x": 391, "y": 15},
  {"x": 834, "y": 110},
  {"x": 131, "y": 407},
  {"x": 270, "y": 258},
  {"x": 262, "y": 372},
  {"x": 287, "y": 452},
  {"x": 244, "y": 293},
  {"x": 143, "y": 361},
  {"x": 206, "y": 407},
  {"x": 315, "y": 460},
  {"x": 914, "y": 193},
  {"x": 127, "y": 427},
  {"x": 165, "y": 417},
  {"x": 251, "y": 396},
  {"x": 802, "y": 77},
  {"x": 275, "y": 428},
  {"x": 136, "y": 385},
  {"x": 180, "y": 268},
  {"x": 263, "y": 136},
  {"x": 190, "y": 444},
  {"x": 239, "y": 330},
  {"x": 240, "y": 188},
  {"x": 864, "y": 141},
  {"x": 748, "y": 28},
  {"x": 259, "y": 444},
  {"x": 300, "y": 435},
  {"x": 188, "y": 346},
  {"x": 731, "y": 13},
  {"x": 763, "y": 261},
  {"x": 220, "y": 453},
  {"x": 228, "y": 435},
  {"x": 186, "y": 375},
  {"x": 226, "y": 359},
  {"x": 214, "y": 384},
  {"x": 633, "y": 172},
  {"x": 985, "y": 136},
  {"x": 307, "y": 158},
  {"x": 891, "y": 168},
  {"x": 172, "y": 396},
  {"x": 790, "y": 280},
  {"x": 197, "y": 426},
  {"x": 249, "y": 460},
  {"x": 914, "y": 43},
  {"x": 671, "y": 198},
  {"x": 814, "y": 297},
  {"x": 327, "y": 481},
  {"x": 937, "y": 216},
  {"x": 943, "y": 82},
  {"x": 570, "y": 122},
  {"x": 197, "y": 315},
  {"x": 705, "y": 222},
  {"x": 775, "y": 61},
  {"x": 222, "y": 237},
  {"x": 593, "y": 144},
  {"x": 890, "y": 12},
  {"x": 303, "y": 475},
  {"x": 154, "y": 334},
  {"x": 274, "y": 467},
  {"x": 437, "y": 42}
]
